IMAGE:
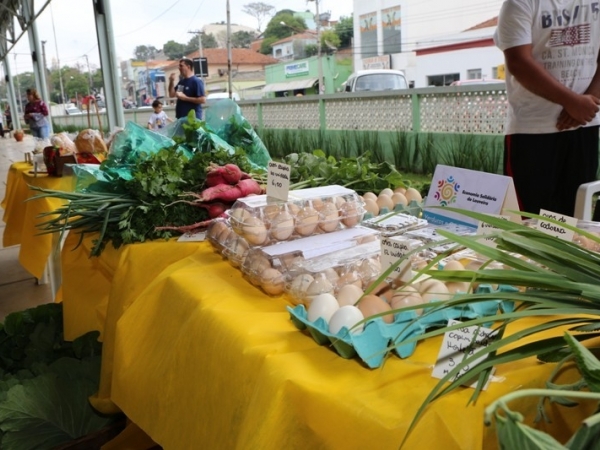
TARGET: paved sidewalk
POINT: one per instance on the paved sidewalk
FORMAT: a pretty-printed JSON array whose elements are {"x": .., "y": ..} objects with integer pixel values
[{"x": 19, "y": 290}]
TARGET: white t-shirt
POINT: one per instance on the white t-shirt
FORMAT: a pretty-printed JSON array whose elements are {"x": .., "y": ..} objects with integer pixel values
[
  {"x": 157, "y": 121},
  {"x": 565, "y": 38}
]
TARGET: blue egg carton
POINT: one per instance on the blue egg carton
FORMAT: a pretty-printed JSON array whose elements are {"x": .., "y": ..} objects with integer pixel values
[{"x": 378, "y": 337}]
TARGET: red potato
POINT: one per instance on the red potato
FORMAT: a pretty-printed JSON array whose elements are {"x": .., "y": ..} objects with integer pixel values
[
  {"x": 227, "y": 174},
  {"x": 229, "y": 193}
]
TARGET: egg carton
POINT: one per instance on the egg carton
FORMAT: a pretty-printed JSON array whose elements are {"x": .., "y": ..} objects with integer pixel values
[
  {"x": 269, "y": 266},
  {"x": 413, "y": 208},
  {"x": 394, "y": 223},
  {"x": 264, "y": 221},
  {"x": 218, "y": 232},
  {"x": 377, "y": 338},
  {"x": 358, "y": 265}
]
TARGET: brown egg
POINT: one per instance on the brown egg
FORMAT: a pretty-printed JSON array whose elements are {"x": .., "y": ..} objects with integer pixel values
[
  {"x": 370, "y": 305},
  {"x": 386, "y": 191},
  {"x": 404, "y": 301},
  {"x": 272, "y": 281},
  {"x": 369, "y": 195},
  {"x": 351, "y": 212},
  {"x": 254, "y": 231},
  {"x": 399, "y": 199},
  {"x": 282, "y": 226},
  {"x": 385, "y": 201},
  {"x": 412, "y": 194},
  {"x": 306, "y": 221},
  {"x": 329, "y": 217},
  {"x": 371, "y": 206}
]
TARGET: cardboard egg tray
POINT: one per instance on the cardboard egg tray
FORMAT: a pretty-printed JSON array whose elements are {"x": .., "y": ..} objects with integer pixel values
[
  {"x": 378, "y": 337},
  {"x": 264, "y": 221}
]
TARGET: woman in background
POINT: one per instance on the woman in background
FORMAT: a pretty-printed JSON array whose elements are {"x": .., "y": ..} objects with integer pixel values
[{"x": 36, "y": 115}]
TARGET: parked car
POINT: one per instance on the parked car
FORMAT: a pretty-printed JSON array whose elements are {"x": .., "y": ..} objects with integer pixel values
[{"x": 375, "y": 80}]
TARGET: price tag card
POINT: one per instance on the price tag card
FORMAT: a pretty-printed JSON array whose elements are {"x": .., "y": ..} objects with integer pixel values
[
  {"x": 193, "y": 237},
  {"x": 394, "y": 249},
  {"x": 278, "y": 180},
  {"x": 486, "y": 228},
  {"x": 553, "y": 229},
  {"x": 459, "y": 344}
]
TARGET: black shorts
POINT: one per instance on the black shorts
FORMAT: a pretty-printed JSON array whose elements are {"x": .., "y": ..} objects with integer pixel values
[{"x": 547, "y": 169}]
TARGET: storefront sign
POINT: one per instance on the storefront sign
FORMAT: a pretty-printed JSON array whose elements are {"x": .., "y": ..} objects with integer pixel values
[
  {"x": 296, "y": 70},
  {"x": 469, "y": 190}
]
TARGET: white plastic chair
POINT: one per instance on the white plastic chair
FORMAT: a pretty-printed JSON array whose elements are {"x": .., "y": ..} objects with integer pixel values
[{"x": 583, "y": 200}]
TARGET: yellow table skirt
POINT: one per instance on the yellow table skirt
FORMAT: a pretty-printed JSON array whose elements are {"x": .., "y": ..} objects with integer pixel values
[
  {"x": 21, "y": 217},
  {"x": 199, "y": 358}
]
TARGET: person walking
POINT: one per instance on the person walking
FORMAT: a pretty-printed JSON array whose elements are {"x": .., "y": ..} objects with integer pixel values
[
  {"x": 551, "y": 49},
  {"x": 8, "y": 118},
  {"x": 36, "y": 115},
  {"x": 1, "y": 127},
  {"x": 189, "y": 91}
]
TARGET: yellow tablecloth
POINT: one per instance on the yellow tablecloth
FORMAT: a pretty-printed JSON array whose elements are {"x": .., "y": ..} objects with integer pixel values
[
  {"x": 199, "y": 358},
  {"x": 21, "y": 217}
]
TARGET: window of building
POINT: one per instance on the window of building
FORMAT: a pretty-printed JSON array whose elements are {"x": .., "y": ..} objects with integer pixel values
[
  {"x": 495, "y": 72},
  {"x": 474, "y": 74},
  {"x": 442, "y": 80}
]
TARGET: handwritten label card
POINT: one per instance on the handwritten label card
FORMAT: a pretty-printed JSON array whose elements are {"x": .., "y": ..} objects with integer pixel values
[
  {"x": 556, "y": 230},
  {"x": 461, "y": 344},
  {"x": 486, "y": 228},
  {"x": 193, "y": 237},
  {"x": 394, "y": 249},
  {"x": 278, "y": 180}
]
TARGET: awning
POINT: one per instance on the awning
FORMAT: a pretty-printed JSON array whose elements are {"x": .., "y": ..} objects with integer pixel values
[{"x": 290, "y": 85}]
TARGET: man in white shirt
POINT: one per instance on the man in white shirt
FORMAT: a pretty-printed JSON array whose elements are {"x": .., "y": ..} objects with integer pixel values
[{"x": 551, "y": 48}]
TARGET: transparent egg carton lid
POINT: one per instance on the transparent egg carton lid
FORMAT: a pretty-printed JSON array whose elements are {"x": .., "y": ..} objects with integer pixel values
[
  {"x": 394, "y": 223},
  {"x": 339, "y": 257},
  {"x": 429, "y": 234},
  {"x": 318, "y": 245}
]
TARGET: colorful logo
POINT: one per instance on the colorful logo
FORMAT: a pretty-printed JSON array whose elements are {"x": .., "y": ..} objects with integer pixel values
[{"x": 446, "y": 191}]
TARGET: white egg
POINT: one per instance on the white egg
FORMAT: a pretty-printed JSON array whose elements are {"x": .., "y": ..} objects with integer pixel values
[
  {"x": 331, "y": 274},
  {"x": 346, "y": 316},
  {"x": 324, "y": 306},
  {"x": 386, "y": 191},
  {"x": 455, "y": 287},
  {"x": 403, "y": 301},
  {"x": 349, "y": 294}
]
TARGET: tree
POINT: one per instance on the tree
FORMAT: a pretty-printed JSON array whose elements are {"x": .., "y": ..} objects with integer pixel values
[
  {"x": 174, "y": 50},
  {"x": 208, "y": 41},
  {"x": 145, "y": 52},
  {"x": 259, "y": 11},
  {"x": 345, "y": 30},
  {"x": 242, "y": 39},
  {"x": 329, "y": 38},
  {"x": 282, "y": 25}
]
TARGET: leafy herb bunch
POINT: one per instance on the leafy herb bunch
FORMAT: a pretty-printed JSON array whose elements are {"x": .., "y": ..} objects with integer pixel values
[
  {"x": 127, "y": 209},
  {"x": 358, "y": 173}
]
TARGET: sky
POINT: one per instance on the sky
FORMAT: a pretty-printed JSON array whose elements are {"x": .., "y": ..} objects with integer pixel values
[
  {"x": 141, "y": 22},
  {"x": 155, "y": 22}
]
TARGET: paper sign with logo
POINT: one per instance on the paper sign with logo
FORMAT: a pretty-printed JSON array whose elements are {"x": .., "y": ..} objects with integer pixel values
[{"x": 471, "y": 190}]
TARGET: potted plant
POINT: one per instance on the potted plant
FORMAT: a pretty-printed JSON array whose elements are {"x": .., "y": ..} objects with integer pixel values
[{"x": 18, "y": 134}]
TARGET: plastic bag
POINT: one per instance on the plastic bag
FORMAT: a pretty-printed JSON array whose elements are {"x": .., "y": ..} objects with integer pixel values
[
  {"x": 226, "y": 119},
  {"x": 129, "y": 145}
]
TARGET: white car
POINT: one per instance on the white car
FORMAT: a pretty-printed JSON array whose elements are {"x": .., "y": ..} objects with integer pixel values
[{"x": 375, "y": 80}]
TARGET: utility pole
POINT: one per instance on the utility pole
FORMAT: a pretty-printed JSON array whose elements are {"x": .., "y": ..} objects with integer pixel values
[
  {"x": 319, "y": 62},
  {"x": 89, "y": 74},
  {"x": 229, "y": 50},
  {"x": 200, "y": 51},
  {"x": 46, "y": 73}
]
